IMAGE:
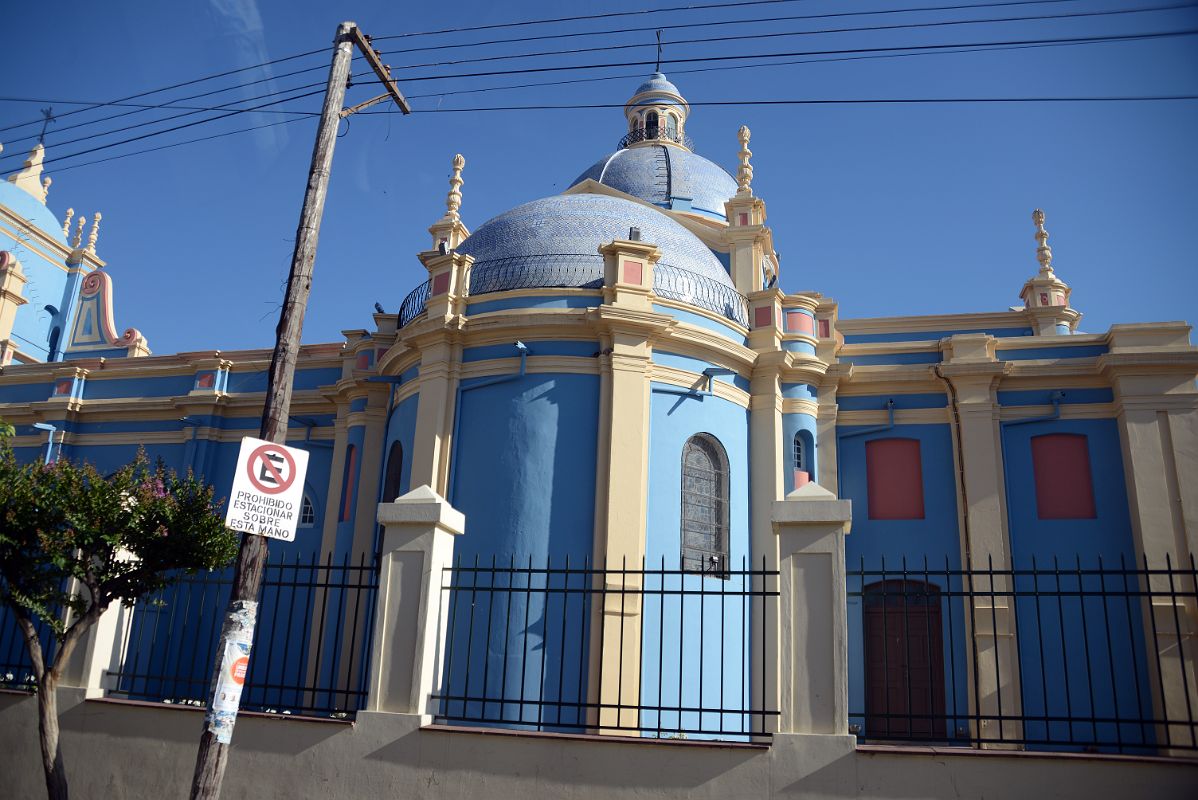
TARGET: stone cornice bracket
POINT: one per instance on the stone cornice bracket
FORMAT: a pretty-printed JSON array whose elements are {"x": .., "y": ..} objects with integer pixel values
[
  {"x": 744, "y": 173},
  {"x": 449, "y": 232}
]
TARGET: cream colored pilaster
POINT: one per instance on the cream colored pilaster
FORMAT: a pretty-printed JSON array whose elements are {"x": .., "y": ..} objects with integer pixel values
[
  {"x": 440, "y": 369},
  {"x": 409, "y": 628},
  {"x": 332, "y": 509},
  {"x": 810, "y": 526},
  {"x": 626, "y": 325},
  {"x": 974, "y": 372},
  {"x": 373, "y": 419},
  {"x": 12, "y": 292},
  {"x": 1152, "y": 369},
  {"x": 827, "y": 451}
]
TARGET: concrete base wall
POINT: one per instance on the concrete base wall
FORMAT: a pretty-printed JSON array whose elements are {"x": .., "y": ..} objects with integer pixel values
[{"x": 127, "y": 751}]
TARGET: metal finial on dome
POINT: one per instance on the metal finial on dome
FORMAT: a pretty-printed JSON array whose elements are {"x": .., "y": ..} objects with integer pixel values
[
  {"x": 95, "y": 233},
  {"x": 744, "y": 175},
  {"x": 1043, "y": 251},
  {"x": 66, "y": 223},
  {"x": 453, "y": 200}
]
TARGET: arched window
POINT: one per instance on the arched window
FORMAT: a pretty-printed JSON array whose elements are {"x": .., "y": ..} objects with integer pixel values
[
  {"x": 347, "y": 483},
  {"x": 800, "y": 453},
  {"x": 671, "y": 126},
  {"x": 307, "y": 515},
  {"x": 394, "y": 473},
  {"x": 651, "y": 125},
  {"x": 704, "y": 506}
]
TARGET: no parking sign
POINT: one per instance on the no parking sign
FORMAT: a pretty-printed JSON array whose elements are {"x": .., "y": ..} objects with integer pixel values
[{"x": 268, "y": 489}]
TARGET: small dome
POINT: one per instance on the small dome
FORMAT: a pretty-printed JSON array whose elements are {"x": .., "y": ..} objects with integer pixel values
[
  {"x": 555, "y": 242},
  {"x": 669, "y": 177},
  {"x": 657, "y": 83},
  {"x": 31, "y": 210}
]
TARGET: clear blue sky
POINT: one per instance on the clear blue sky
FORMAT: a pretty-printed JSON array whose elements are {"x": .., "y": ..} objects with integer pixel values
[{"x": 903, "y": 209}]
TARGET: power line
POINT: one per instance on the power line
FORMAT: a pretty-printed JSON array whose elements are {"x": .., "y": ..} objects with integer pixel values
[
  {"x": 175, "y": 86},
  {"x": 784, "y": 34},
  {"x": 789, "y": 18}
]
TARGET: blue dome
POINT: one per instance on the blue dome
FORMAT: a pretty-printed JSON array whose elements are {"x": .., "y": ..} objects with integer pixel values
[
  {"x": 30, "y": 210},
  {"x": 559, "y": 238},
  {"x": 669, "y": 177},
  {"x": 657, "y": 83}
]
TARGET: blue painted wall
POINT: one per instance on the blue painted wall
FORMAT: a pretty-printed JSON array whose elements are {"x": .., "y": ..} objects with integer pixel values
[
  {"x": 1074, "y": 652},
  {"x": 873, "y": 544},
  {"x": 681, "y": 635},
  {"x": 524, "y": 476}
]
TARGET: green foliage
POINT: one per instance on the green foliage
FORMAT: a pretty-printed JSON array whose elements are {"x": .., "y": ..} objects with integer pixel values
[{"x": 71, "y": 538}]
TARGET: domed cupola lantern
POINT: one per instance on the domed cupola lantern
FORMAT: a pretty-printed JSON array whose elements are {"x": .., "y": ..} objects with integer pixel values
[{"x": 656, "y": 114}]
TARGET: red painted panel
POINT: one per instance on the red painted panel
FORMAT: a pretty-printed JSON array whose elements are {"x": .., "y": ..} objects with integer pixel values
[
  {"x": 1064, "y": 485},
  {"x": 441, "y": 283},
  {"x": 634, "y": 272},
  {"x": 743, "y": 219},
  {"x": 798, "y": 322},
  {"x": 63, "y": 387},
  {"x": 206, "y": 380},
  {"x": 763, "y": 317},
  {"x": 363, "y": 361},
  {"x": 895, "y": 479},
  {"x": 824, "y": 329}
]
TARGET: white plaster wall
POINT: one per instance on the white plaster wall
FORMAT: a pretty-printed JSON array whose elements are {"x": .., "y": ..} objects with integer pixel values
[{"x": 115, "y": 750}]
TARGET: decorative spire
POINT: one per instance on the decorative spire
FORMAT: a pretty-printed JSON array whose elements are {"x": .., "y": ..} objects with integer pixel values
[
  {"x": 29, "y": 179},
  {"x": 95, "y": 233},
  {"x": 81, "y": 221},
  {"x": 453, "y": 201},
  {"x": 66, "y": 223},
  {"x": 744, "y": 175},
  {"x": 1043, "y": 251}
]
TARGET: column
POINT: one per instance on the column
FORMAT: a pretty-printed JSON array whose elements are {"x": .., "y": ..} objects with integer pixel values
[{"x": 409, "y": 628}]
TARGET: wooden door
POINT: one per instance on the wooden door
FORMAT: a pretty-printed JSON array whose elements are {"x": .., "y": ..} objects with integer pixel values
[{"x": 904, "y": 661}]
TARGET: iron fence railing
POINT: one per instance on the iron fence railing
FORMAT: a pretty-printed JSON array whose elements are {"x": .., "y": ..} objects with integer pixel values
[
  {"x": 414, "y": 304},
  {"x": 16, "y": 669},
  {"x": 675, "y": 283},
  {"x": 657, "y": 134},
  {"x": 648, "y": 652},
  {"x": 311, "y": 646},
  {"x": 573, "y": 270},
  {"x": 1084, "y": 656}
]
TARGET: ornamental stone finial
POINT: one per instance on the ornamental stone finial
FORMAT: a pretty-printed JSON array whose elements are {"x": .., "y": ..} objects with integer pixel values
[
  {"x": 95, "y": 233},
  {"x": 1043, "y": 251},
  {"x": 80, "y": 222},
  {"x": 453, "y": 201},
  {"x": 66, "y": 223},
  {"x": 46, "y": 181},
  {"x": 744, "y": 175}
]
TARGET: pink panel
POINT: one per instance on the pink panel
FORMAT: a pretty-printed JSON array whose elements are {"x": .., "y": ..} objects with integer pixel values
[
  {"x": 363, "y": 361},
  {"x": 743, "y": 219},
  {"x": 62, "y": 387},
  {"x": 205, "y": 380},
  {"x": 1064, "y": 485},
  {"x": 798, "y": 322},
  {"x": 763, "y": 317},
  {"x": 441, "y": 283},
  {"x": 1043, "y": 298},
  {"x": 634, "y": 272},
  {"x": 824, "y": 329},
  {"x": 894, "y": 476},
  {"x": 802, "y": 478}
]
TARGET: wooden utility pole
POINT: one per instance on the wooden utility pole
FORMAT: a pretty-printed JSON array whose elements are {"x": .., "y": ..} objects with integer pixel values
[{"x": 242, "y": 613}]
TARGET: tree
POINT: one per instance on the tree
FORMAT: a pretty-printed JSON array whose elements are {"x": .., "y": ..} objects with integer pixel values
[{"x": 73, "y": 541}]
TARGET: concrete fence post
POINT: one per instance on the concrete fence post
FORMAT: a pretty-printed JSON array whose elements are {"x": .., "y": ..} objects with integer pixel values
[
  {"x": 99, "y": 652},
  {"x": 810, "y": 525},
  {"x": 409, "y": 626}
]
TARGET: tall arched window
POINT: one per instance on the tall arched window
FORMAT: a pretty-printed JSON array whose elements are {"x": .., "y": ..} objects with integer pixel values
[
  {"x": 671, "y": 127},
  {"x": 651, "y": 125},
  {"x": 704, "y": 506},
  {"x": 394, "y": 473},
  {"x": 800, "y": 453}
]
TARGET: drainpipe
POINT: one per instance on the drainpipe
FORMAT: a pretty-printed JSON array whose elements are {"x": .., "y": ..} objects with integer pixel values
[
  {"x": 960, "y": 476},
  {"x": 876, "y": 428},
  {"x": 699, "y": 394},
  {"x": 309, "y": 424},
  {"x": 457, "y": 406},
  {"x": 50, "y": 429}
]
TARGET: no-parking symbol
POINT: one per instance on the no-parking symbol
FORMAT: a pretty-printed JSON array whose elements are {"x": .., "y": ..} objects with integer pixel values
[{"x": 268, "y": 489}]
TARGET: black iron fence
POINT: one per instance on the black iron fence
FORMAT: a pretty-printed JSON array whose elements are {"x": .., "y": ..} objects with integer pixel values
[
  {"x": 654, "y": 134},
  {"x": 651, "y": 652},
  {"x": 675, "y": 283},
  {"x": 311, "y": 646},
  {"x": 572, "y": 270},
  {"x": 414, "y": 304},
  {"x": 16, "y": 669},
  {"x": 1082, "y": 655}
]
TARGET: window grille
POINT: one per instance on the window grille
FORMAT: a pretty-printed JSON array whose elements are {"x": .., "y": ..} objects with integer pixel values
[
  {"x": 800, "y": 456},
  {"x": 704, "y": 506},
  {"x": 307, "y": 515}
]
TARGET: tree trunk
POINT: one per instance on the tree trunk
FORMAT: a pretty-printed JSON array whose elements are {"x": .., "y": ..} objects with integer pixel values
[{"x": 47, "y": 722}]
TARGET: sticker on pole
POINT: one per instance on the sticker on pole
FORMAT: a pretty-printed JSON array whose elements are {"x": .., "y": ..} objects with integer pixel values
[{"x": 268, "y": 489}]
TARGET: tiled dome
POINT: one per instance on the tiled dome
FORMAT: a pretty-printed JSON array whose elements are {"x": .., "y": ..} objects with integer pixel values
[
  {"x": 559, "y": 238},
  {"x": 670, "y": 177}
]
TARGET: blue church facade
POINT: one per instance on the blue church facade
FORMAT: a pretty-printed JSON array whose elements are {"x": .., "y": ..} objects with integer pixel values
[{"x": 611, "y": 379}]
